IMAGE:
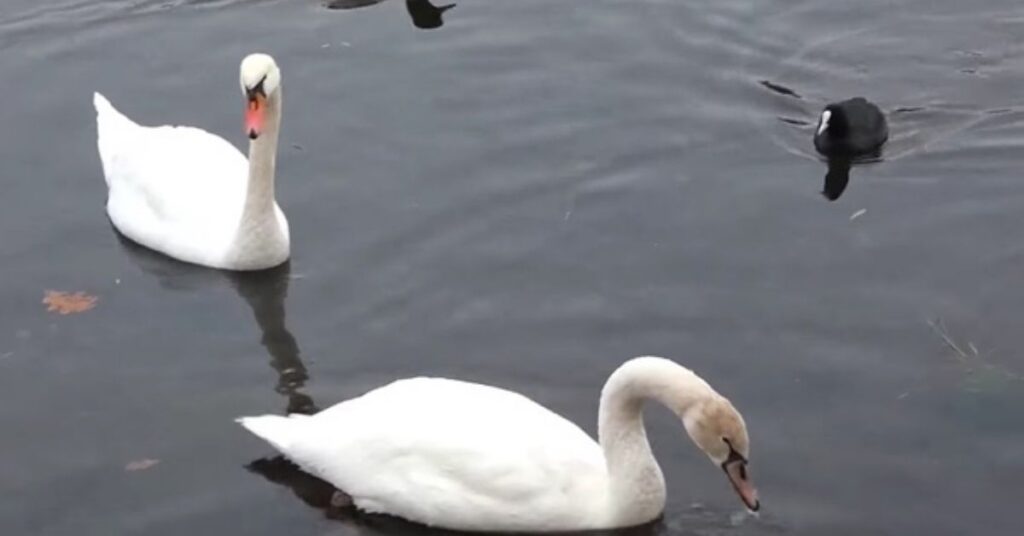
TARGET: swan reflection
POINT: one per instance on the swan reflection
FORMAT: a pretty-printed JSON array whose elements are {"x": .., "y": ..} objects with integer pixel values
[
  {"x": 319, "y": 494},
  {"x": 263, "y": 291}
]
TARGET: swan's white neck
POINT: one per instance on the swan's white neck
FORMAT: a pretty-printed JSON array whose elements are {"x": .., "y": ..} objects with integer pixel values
[
  {"x": 636, "y": 485},
  {"x": 259, "y": 227}
]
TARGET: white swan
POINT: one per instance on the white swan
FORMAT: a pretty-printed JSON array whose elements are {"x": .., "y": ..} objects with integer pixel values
[
  {"x": 472, "y": 457},
  {"x": 192, "y": 195}
]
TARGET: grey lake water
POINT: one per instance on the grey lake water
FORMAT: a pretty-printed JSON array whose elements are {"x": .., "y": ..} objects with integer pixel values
[{"x": 526, "y": 193}]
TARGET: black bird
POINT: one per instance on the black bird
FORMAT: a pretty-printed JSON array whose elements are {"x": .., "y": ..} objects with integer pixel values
[{"x": 851, "y": 129}]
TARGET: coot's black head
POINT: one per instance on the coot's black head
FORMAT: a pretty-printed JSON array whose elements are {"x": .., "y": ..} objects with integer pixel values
[{"x": 833, "y": 122}]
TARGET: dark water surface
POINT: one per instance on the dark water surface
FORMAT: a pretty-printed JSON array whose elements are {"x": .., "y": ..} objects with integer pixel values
[{"x": 526, "y": 196}]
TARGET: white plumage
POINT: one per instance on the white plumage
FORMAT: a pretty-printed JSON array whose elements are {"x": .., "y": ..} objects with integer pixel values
[
  {"x": 190, "y": 194},
  {"x": 431, "y": 448},
  {"x": 472, "y": 457}
]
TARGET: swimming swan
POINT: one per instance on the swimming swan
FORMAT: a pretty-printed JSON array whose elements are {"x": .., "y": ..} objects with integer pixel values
[
  {"x": 467, "y": 456},
  {"x": 192, "y": 195}
]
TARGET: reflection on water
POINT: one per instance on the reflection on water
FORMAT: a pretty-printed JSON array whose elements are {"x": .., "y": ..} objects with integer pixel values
[
  {"x": 264, "y": 292},
  {"x": 310, "y": 489},
  {"x": 318, "y": 494},
  {"x": 586, "y": 183},
  {"x": 780, "y": 89},
  {"x": 424, "y": 14},
  {"x": 838, "y": 175},
  {"x": 697, "y": 520},
  {"x": 350, "y": 4},
  {"x": 836, "y": 179}
]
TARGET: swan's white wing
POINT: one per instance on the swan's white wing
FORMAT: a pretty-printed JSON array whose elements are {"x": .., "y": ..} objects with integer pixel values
[
  {"x": 176, "y": 189},
  {"x": 450, "y": 453}
]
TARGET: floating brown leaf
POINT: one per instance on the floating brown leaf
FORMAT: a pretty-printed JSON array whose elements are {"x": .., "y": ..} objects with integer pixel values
[
  {"x": 141, "y": 465},
  {"x": 67, "y": 303}
]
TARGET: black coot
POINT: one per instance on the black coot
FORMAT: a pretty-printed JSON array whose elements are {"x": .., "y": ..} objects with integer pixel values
[{"x": 851, "y": 129}]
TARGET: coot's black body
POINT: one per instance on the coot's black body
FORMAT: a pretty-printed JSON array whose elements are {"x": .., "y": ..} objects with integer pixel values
[{"x": 853, "y": 128}]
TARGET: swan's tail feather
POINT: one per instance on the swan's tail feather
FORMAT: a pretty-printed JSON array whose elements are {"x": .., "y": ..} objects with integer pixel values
[
  {"x": 101, "y": 103},
  {"x": 107, "y": 115},
  {"x": 113, "y": 129},
  {"x": 280, "y": 432}
]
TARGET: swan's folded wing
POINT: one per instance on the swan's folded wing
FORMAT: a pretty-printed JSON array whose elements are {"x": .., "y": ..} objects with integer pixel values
[
  {"x": 179, "y": 172},
  {"x": 167, "y": 173},
  {"x": 465, "y": 455}
]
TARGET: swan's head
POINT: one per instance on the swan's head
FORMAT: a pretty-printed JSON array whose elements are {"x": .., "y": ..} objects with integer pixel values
[
  {"x": 718, "y": 429},
  {"x": 260, "y": 80}
]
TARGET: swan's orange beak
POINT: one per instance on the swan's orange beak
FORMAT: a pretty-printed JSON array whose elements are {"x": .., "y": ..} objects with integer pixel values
[
  {"x": 738, "y": 475},
  {"x": 255, "y": 113}
]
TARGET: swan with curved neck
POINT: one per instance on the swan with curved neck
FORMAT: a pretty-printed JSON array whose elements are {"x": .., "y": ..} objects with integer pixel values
[
  {"x": 467, "y": 456},
  {"x": 190, "y": 194}
]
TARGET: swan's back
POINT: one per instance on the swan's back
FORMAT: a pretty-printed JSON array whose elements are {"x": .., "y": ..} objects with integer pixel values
[
  {"x": 446, "y": 452},
  {"x": 178, "y": 190},
  {"x": 113, "y": 130}
]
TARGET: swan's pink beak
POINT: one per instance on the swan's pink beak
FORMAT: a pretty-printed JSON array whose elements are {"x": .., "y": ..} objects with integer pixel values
[
  {"x": 255, "y": 112},
  {"x": 740, "y": 479}
]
